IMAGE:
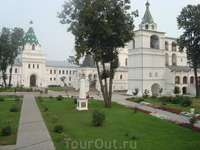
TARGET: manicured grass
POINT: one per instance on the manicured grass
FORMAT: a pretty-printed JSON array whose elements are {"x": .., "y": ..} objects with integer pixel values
[
  {"x": 11, "y": 96},
  {"x": 14, "y": 119},
  {"x": 60, "y": 88},
  {"x": 195, "y": 104},
  {"x": 150, "y": 132}
]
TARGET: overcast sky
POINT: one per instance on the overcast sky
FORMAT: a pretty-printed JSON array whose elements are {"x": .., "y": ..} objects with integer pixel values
[{"x": 59, "y": 44}]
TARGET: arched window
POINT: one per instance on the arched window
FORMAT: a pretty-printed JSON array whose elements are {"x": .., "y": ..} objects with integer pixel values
[
  {"x": 177, "y": 80},
  {"x": 156, "y": 74},
  {"x": 33, "y": 47},
  {"x": 174, "y": 60},
  {"x": 120, "y": 76},
  {"x": 150, "y": 74},
  {"x": 184, "y": 80},
  {"x": 191, "y": 80},
  {"x": 146, "y": 26},
  {"x": 166, "y": 45},
  {"x": 173, "y": 46},
  {"x": 126, "y": 61},
  {"x": 154, "y": 42}
]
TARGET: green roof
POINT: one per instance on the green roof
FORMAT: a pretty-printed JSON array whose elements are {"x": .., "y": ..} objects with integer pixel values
[
  {"x": 30, "y": 36},
  {"x": 147, "y": 16}
]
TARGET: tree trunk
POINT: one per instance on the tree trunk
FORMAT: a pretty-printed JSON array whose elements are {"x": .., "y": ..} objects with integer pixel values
[
  {"x": 10, "y": 76},
  {"x": 194, "y": 60},
  {"x": 4, "y": 79},
  {"x": 103, "y": 88}
]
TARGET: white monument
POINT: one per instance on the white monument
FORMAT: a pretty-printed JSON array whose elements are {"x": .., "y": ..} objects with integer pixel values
[{"x": 82, "y": 101}]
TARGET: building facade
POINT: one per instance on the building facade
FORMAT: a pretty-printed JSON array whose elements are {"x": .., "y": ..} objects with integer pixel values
[{"x": 149, "y": 62}]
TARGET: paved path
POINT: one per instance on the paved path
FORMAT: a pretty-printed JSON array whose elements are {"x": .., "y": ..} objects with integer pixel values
[
  {"x": 121, "y": 98},
  {"x": 33, "y": 134}
]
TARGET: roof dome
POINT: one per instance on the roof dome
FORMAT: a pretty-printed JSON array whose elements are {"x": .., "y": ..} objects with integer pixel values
[{"x": 30, "y": 36}]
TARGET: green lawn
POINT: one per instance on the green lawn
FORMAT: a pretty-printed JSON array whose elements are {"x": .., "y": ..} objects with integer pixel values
[
  {"x": 195, "y": 104},
  {"x": 60, "y": 88},
  {"x": 151, "y": 133},
  {"x": 13, "y": 117}
]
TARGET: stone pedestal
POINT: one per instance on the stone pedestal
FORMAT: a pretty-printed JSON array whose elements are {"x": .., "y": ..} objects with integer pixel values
[{"x": 82, "y": 101}]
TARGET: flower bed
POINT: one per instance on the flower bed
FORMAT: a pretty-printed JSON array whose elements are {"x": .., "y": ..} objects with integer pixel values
[{"x": 163, "y": 117}]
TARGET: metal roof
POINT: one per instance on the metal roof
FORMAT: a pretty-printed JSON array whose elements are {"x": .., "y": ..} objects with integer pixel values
[
  {"x": 52, "y": 63},
  {"x": 179, "y": 68}
]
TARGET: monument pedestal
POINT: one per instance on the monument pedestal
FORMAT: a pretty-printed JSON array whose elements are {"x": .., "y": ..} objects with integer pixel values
[{"x": 82, "y": 104}]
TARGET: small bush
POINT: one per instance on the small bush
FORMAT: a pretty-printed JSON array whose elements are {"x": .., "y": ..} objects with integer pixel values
[
  {"x": 14, "y": 109},
  {"x": 1, "y": 99},
  {"x": 6, "y": 130},
  {"x": 135, "y": 109},
  {"x": 46, "y": 109},
  {"x": 98, "y": 117},
  {"x": 59, "y": 97},
  {"x": 51, "y": 97},
  {"x": 146, "y": 94},
  {"x": 58, "y": 128},
  {"x": 154, "y": 97},
  {"x": 17, "y": 99},
  {"x": 193, "y": 120},
  {"x": 176, "y": 100},
  {"x": 75, "y": 101},
  {"x": 141, "y": 99},
  {"x": 185, "y": 101},
  {"x": 165, "y": 99}
]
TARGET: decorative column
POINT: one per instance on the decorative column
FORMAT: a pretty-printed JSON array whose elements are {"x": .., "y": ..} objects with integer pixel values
[{"x": 82, "y": 101}]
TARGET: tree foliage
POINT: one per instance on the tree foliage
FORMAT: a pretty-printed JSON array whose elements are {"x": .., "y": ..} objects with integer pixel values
[
  {"x": 11, "y": 42},
  {"x": 189, "y": 21},
  {"x": 100, "y": 27}
]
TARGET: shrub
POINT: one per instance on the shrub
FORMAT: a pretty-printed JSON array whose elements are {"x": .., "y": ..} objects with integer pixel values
[
  {"x": 165, "y": 99},
  {"x": 98, "y": 117},
  {"x": 17, "y": 99},
  {"x": 176, "y": 90},
  {"x": 58, "y": 128},
  {"x": 185, "y": 101},
  {"x": 59, "y": 97},
  {"x": 146, "y": 94},
  {"x": 176, "y": 100},
  {"x": 1, "y": 99},
  {"x": 46, "y": 109},
  {"x": 135, "y": 109},
  {"x": 141, "y": 99},
  {"x": 14, "y": 109},
  {"x": 193, "y": 120},
  {"x": 6, "y": 130},
  {"x": 154, "y": 97},
  {"x": 75, "y": 101},
  {"x": 51, "y": 97}
]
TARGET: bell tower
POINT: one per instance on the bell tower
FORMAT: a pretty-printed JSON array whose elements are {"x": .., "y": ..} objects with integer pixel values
[{"x": 146, "y": 57}]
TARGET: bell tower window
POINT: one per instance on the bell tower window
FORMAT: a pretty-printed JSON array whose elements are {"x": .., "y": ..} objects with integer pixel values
[{"x": 146, "y": 26}]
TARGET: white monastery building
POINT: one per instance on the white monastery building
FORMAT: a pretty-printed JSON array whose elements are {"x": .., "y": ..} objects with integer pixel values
[{"x": 149, "y": 62}]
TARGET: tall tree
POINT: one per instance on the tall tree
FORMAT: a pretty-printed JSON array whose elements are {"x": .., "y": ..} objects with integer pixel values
[
  {"x": 72, "y": 60},
  {"x": 11, "y": 42},
  {"x": 4, "y": 49},
  {"x": 189, "y": 21},
  {"x": 100, "y": 27},
  {"x": 16, "y": 45}
]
